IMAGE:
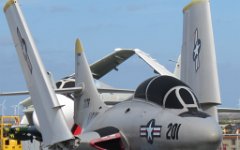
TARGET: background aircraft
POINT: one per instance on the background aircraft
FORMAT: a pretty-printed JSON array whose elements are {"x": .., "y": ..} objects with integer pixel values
[
  {"x": 126, "y": 28},
  {"x": 108, "y": 94}
]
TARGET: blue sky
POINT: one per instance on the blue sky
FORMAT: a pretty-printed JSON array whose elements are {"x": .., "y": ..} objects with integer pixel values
[{"x": 154, "y": 26}]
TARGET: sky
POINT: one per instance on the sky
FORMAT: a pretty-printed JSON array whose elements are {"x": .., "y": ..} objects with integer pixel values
[{"x": 154, "y": 26}]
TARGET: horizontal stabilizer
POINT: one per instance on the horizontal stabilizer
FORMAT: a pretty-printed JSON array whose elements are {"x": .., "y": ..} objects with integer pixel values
[
  {"x": 71, "y": 90},
  {"x": 111, "y": 90}
]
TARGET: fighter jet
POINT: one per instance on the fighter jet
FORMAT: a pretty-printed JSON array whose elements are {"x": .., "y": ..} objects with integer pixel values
[{"x": 164, "y": 112}]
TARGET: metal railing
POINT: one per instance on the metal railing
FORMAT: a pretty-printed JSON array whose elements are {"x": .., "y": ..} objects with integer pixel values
[{"x": 230, "y": 142}]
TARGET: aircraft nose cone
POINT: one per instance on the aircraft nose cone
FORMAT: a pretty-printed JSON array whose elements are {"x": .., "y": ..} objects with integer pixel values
[
  {"x": 213, "y": 134},
  {"x": 209, "y": 134},
  {"x": 201, "y": 134},
  {"x": 212, "y": 138}
]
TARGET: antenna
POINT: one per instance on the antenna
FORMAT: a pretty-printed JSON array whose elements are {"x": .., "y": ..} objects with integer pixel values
[
  {"x": 239, "y": 102},
  {"x": 3, "y": 107},
  {"x": 174, "y": 61},
  {"x": 16, "y": 109}
]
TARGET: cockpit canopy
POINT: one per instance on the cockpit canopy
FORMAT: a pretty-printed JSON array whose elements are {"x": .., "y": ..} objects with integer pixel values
[{"x": 167, "y": 92}]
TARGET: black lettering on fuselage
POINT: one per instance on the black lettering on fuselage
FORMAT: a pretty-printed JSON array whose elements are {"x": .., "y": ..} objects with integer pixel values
[{"x": 173, "y": 130}]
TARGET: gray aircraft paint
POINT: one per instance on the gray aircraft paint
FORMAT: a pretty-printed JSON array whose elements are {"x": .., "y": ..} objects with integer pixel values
[{"x": 198, "y": 58}]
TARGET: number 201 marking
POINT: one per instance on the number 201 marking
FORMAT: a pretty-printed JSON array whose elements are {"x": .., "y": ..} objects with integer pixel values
[{"x": 172, "y": 133}]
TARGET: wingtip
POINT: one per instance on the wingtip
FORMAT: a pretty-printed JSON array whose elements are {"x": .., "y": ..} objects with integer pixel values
[
  {"x": 8, "y": 4},
  {"x": 193, "y": 2},
  {"x": 78, "y": 46}
]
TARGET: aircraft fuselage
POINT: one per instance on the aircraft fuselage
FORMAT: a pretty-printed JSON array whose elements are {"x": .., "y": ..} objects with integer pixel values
[{"x": 146, "y": 125}]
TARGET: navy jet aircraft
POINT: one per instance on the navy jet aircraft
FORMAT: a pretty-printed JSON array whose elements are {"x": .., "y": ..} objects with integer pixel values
[{"x": 163, "y": 114}]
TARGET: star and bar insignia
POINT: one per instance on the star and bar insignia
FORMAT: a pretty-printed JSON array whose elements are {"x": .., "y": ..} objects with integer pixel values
[{"x": 150, "y": 131}]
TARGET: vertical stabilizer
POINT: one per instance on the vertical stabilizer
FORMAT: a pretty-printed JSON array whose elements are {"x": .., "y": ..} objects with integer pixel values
[
  {"x": 198, "y": 59},
  {"x": 52, "y": 122},
  {"x": 88, "y": 104},
  {"x": 177, "y": 70}
]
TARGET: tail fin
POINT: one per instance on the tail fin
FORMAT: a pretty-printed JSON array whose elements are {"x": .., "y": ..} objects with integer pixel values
[
  {"x": 88, "y": 104},
  {"x": 53, "y": 125},
  {"x": 177, "y": 69},
  {"x": 198, "y": 59}
]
